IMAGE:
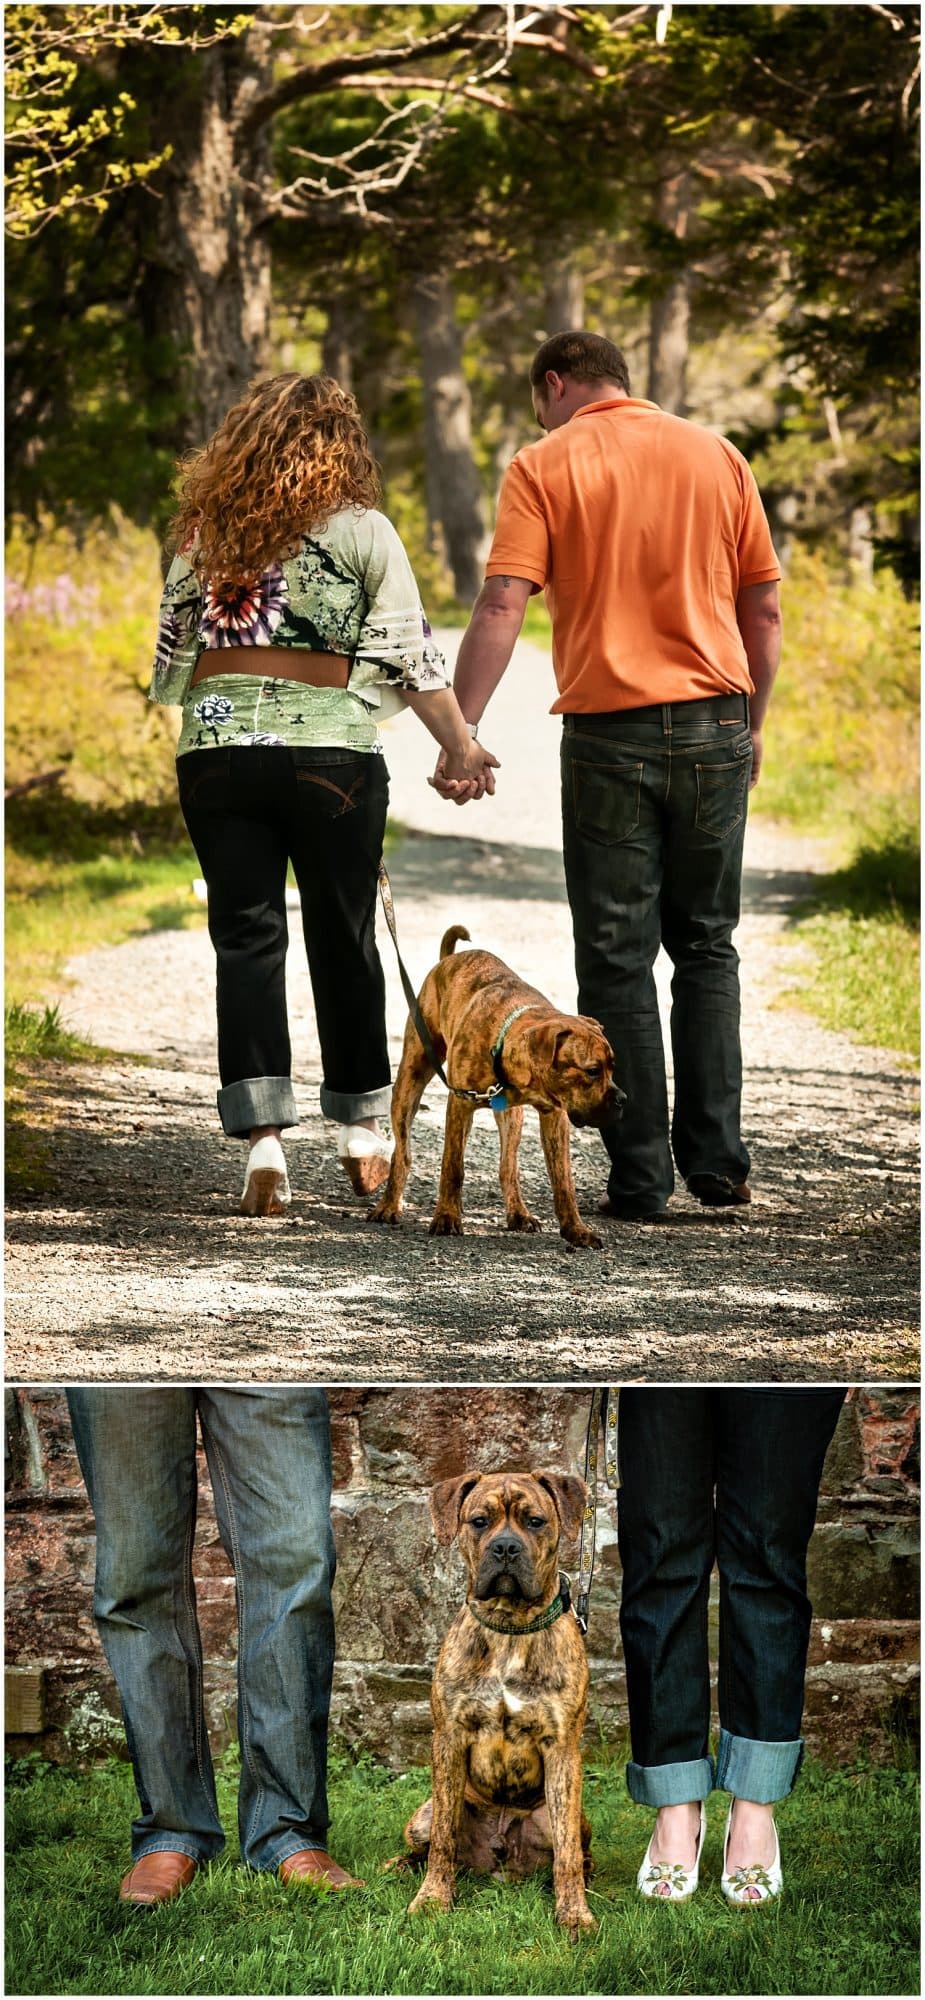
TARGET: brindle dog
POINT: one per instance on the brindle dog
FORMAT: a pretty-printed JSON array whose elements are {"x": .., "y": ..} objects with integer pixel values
[
  {"x": 508, "y": 1705},
  {"x": 560, "y": 1063}
]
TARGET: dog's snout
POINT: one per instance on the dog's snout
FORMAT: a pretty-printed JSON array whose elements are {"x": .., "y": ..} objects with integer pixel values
[{"x": 506, "y": 1548}]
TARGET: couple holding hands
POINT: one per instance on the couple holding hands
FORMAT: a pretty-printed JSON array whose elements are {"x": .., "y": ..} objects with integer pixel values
[{"x": 291, "y": 623}]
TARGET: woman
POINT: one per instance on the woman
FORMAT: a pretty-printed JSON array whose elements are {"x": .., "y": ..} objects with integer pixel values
[
  {"x": 290, "y": 619},
  {"x": 730, "y": 1474}
]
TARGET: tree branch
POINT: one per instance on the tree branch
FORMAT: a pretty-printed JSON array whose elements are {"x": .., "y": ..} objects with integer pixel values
[{"x": 313, "y": 79}]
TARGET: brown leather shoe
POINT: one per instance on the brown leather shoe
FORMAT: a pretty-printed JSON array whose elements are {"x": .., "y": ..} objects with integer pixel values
[
  {"x": 312, "y": 1864},
  {"x": 156, "y": 1878}
]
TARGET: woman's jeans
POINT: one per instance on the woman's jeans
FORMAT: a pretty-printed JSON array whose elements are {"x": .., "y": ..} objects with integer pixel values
[
  {"x": 269, "y": 1460},
  {"x": 654, "y": 805},
  {"x": 730, "y": 1475},
  {"x": 249, "y": 813}
]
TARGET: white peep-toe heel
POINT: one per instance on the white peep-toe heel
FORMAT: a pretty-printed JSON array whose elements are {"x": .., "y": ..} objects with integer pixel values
[
  {"x": 365, "y": 1157},
  {"x": 266, "y": 1185},
  {"x": 668, "y": 1882},
  {"x": 747, "y": 1887}
]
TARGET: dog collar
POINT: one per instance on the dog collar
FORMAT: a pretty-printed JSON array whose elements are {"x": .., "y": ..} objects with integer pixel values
[
  {"x": 560, "y": 1604},
  {"x": 498, "y": 1097}
]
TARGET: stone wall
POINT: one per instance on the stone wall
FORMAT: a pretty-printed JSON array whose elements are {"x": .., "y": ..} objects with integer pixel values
[{"x": 396, "y": 1590}]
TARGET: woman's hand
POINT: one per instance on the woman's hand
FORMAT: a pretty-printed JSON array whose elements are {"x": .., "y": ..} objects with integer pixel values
[{"x": 465, "y": 774}]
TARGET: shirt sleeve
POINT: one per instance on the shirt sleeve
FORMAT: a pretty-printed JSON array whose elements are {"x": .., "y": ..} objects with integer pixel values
[
  {"x": 395, "y": 646},
  {"x": 178, "y": 643},
  {"x": 757, "y": 557},
  {"x": 520, "y": 546}
]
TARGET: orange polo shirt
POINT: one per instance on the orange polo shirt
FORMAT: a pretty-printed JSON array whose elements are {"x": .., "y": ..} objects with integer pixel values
[{"x": 641, "y": 528}]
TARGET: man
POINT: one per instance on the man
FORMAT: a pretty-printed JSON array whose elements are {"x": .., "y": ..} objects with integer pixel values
[
  {"x": 269, "y": 1456},
  {"x": 648, "y": 535}
]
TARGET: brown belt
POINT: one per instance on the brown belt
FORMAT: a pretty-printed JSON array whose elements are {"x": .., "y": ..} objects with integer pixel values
[{"x": 323, "y": 670}]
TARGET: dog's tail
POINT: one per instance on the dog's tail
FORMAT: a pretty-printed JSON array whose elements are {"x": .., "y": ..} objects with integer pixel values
[{"x": 452, "y": 938}]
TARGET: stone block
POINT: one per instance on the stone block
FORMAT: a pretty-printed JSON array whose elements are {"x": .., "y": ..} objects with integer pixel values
[{"x": 855, "y": 1567}]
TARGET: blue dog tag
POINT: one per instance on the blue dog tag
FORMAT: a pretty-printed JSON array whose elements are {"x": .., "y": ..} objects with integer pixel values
[{"x": 497, "y": 1100}]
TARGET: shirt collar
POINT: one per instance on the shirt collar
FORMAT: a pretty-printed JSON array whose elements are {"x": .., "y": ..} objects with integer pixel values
[{"x": 614, "y": 403}]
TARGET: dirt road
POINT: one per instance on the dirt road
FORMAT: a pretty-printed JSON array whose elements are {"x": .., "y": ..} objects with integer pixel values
[{"x": 138, "y": 1265}]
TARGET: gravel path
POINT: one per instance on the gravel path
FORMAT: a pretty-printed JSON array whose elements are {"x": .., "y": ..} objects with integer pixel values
[{"x": 138, "y": 1266}]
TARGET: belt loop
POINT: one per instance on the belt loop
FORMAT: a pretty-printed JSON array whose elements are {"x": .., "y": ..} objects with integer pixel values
[{"x": 666, "y": 717}]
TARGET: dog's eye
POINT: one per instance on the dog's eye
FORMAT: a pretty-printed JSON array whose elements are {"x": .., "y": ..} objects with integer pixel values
[
  {"x": 479, "y": 1521},
  {"x": 537, "y": 1521},
  {"x": 595, "y": 1069}
]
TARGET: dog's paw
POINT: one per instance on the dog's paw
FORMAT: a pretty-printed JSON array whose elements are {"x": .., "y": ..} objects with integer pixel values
[
  {"x": 431, "y": 1895},
  {"x": 575, "y": 1918},
  {"x": 384, "y": 1211},
  {"x": 445, "y": 1223},
  {"x": 582, "y": 1238},
  {"x": 526, "y": 1223}
]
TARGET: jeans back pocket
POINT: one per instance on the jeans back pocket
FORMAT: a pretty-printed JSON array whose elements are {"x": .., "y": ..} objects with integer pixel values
[
  {"x": 722, "y": 795},
  {"x": 606, "y": 800}
]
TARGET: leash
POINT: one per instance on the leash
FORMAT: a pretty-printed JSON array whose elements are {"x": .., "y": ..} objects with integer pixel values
[
  {"x": 496, "y": 1099},
  {"x": 602, "y": 1417}
]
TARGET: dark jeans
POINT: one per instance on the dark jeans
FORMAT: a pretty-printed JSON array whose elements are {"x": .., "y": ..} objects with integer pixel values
[
  {"x": 269, "y": 1459},
  {"x": 731, "y": 1476},
  {"x": 654, "y": 806},
  {"x": 249, "y": 812}
]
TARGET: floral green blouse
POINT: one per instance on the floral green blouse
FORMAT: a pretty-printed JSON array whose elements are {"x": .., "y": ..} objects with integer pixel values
[{"x": 349, "y": 589}]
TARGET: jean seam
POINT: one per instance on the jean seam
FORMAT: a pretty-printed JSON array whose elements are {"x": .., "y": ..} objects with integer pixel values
[
  {"x": 239, "y": 1581},
  {"x": 190, "y": 1605}
]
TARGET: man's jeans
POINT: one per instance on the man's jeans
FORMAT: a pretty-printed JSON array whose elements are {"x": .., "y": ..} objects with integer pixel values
[
  {"x": 249, "y": 812},
  {"x": 730, "y": 1475},
  {"x": 654, "y": 804},
  {"x": 270, "y": 1464}
]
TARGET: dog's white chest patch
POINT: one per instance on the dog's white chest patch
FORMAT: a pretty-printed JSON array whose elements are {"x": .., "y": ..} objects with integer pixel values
[{"x": 513, "y": 1703}]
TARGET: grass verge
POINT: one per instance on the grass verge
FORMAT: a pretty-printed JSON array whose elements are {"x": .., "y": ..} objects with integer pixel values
[
  {"x": 863, "y": 932},
  {"x": 847, "y": 1923}
]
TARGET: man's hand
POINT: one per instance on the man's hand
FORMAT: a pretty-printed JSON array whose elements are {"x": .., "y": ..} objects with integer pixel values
[
  {"x": 757, "y": 751},
  {"x": 465, "y": 776}
]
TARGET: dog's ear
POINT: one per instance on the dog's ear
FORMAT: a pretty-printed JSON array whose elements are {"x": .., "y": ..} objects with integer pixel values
[
  {"x": 446, "y": 1499},
  {"x": 569, "y": 1496}
]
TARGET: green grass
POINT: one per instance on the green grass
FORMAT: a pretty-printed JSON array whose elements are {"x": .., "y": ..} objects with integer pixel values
[
  {"x": 863, "y": 932},
  {"x": 847, "y": 1923}
]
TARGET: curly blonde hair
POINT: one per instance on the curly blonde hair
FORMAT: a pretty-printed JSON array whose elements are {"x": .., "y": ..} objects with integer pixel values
[{"x": 287, "y": 456}]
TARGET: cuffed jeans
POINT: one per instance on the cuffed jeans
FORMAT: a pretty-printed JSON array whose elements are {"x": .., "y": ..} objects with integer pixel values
[
  {"x": 654, "y": 804},
  {"x": 249, "y": 812},
  {"x": 730, "y": 1475},
  {"x": 269, "y": 1459}
]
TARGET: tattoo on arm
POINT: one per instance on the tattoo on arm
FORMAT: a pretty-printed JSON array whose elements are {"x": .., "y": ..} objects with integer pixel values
[{"x": 505, "y": 582}]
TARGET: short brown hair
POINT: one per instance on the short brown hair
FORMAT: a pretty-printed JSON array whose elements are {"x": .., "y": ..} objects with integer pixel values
[{"x": 587, "y": 356}]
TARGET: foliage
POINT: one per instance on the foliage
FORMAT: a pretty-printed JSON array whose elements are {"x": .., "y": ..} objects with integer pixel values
[
  {"x": 67, "y": 146},
  {"x": 503, "y": 144},
  {"x": 847, "y": 1922}
]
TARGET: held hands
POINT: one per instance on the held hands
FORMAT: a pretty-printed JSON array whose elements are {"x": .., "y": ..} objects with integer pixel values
[{"x": 465, "y": 774}]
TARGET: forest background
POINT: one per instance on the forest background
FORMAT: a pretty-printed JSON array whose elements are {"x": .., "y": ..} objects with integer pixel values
[{"x": 412, "y": 198}]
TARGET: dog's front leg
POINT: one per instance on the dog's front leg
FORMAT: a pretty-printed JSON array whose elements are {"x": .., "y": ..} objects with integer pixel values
[
  {"x": 447, "y": 1216},
  {"x": 448, "y": 1767},
  {"x": 510, "y": 1126},
  {"x": 563, "y": 1800},
  {"x": 414, "y": 1073},
  {"x": 554, "y": 1132}
]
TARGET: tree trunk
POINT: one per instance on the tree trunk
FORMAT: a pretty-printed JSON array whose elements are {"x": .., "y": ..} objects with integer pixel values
[
  {"x": 452, "y": 476},
  {"x": 669, "y": 313},
  {"x": 564, "y": 299},
  {"x": 205, "y": 291}
]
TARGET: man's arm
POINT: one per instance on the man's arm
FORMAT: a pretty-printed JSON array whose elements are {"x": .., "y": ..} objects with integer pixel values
[
  {"x": 759, "y": 621},
  {"x": 484, "y": 654}
]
